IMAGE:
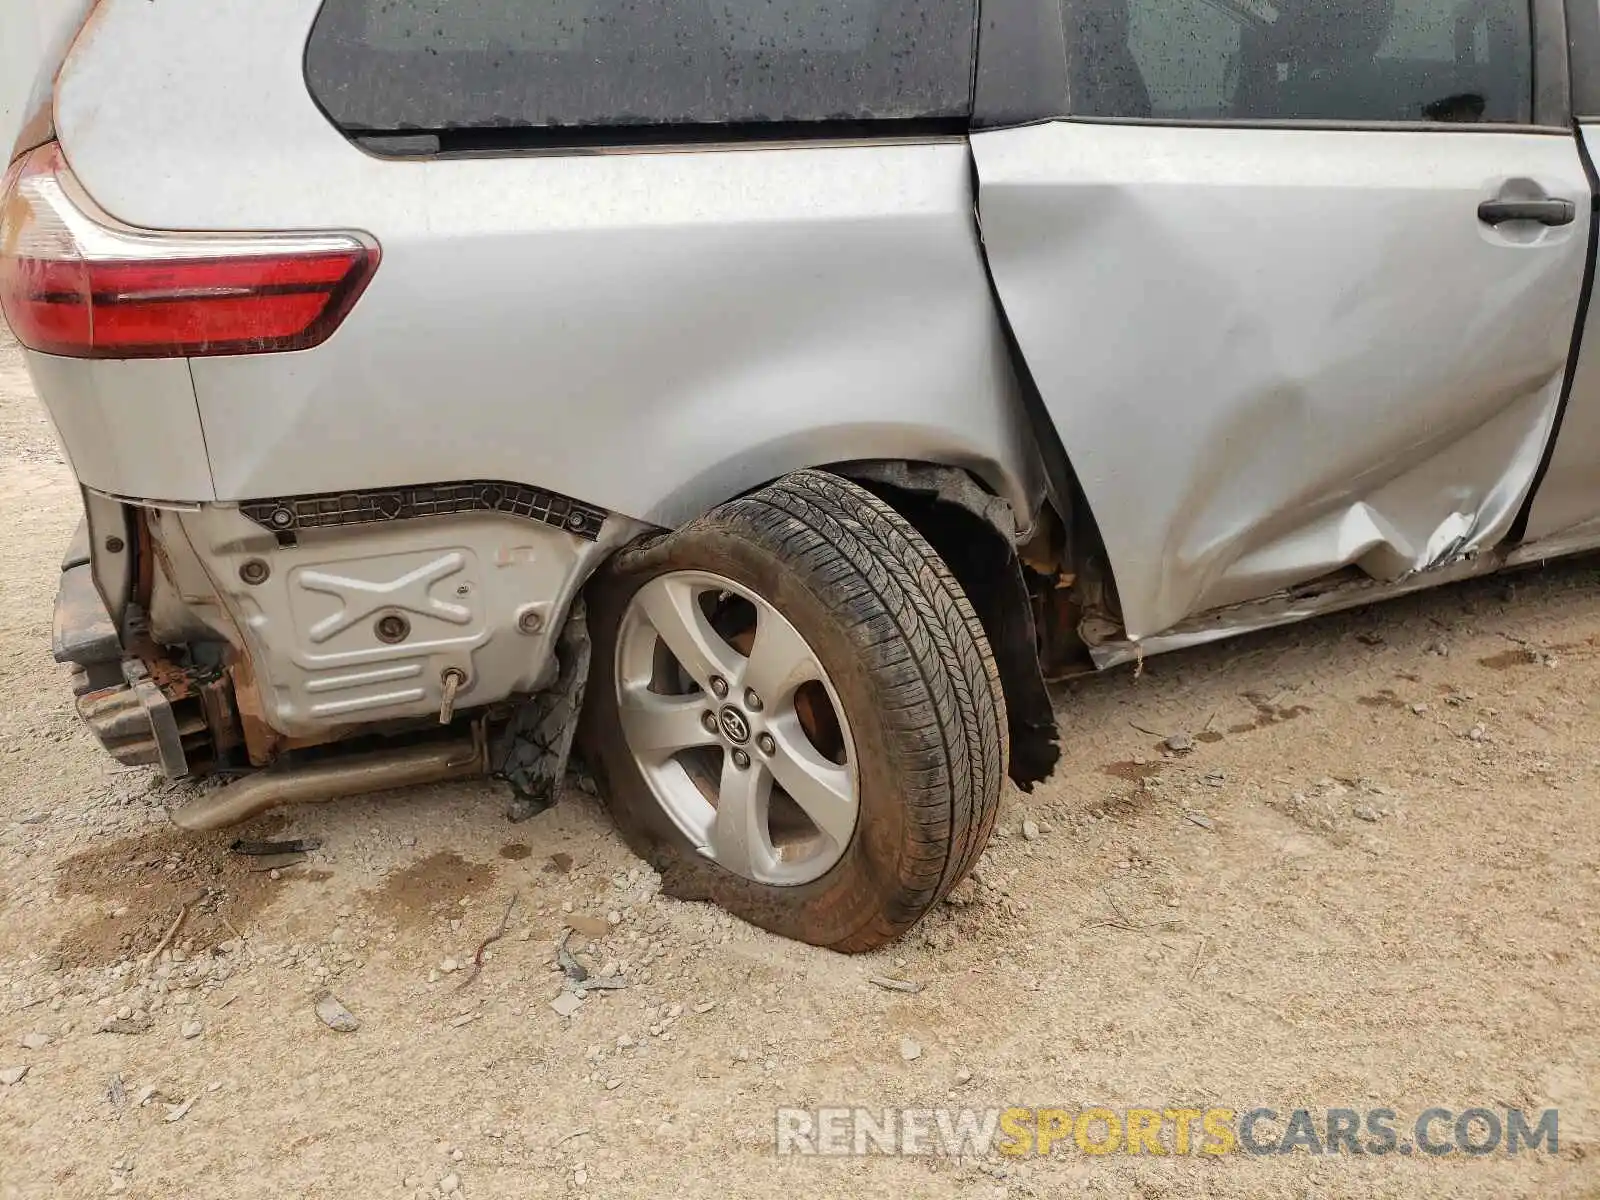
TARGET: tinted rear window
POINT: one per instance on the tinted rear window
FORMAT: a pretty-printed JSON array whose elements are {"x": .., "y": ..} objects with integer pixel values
[{"x": 399, "y": 65}]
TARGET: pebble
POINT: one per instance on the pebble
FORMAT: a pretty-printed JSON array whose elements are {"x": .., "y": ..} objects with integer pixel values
[
  {"x": 1179, "y": 743},
  {"x": 1363, "y": 812},
  {"x": 1477, "y": 733},
  {"x": 909, "y": 1049},
  {"x": 566, "y": 1004},
  {"x": 580, "y": 1177},
  {"x": 10, "y": 1076},
  {"x": 34, "y": 1041},
  {"x": 449, "y": 966},
  {"x": 963, "y": 1076},
  {"x": 1419, "y": 709},
  {"x": 457, "y": 1154},
  {"x": 193, "y": 1029},
  {"x": 333, "y": 1014},
  {"x": 450, "y": 1183},
  {"x": 1030, "y": 831}
]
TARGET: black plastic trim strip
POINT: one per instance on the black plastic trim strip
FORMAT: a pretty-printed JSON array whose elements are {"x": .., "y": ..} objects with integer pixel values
[
  {"x": 1552, "y": 84},
  {"x": 289, "y": 515},
  {"x": 1290, "y": 125},
  {"x": 1583, "y": 57},
  {"x": 1519, "y": 527},
  {"x": 1022, "y": 64}
]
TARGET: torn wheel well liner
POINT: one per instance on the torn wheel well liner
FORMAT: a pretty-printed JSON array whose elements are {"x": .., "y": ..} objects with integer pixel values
[{"x": 959, "y": 521}]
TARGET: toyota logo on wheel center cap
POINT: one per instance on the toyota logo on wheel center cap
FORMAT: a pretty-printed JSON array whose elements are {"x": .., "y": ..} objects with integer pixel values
[{"x": 735, "y": 726}]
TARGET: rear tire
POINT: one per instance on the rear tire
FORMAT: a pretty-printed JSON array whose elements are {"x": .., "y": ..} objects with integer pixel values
[{"x": 900, "y": 784}]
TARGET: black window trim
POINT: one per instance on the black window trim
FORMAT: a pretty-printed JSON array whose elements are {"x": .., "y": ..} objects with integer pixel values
[
  {"x": 662, "y": 138},
  {"x": 1583, "y": 42},
  {"x": 1552, "y": 90}
]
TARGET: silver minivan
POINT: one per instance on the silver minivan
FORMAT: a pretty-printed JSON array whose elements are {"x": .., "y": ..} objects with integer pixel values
[{"x": 774, "y": 395}]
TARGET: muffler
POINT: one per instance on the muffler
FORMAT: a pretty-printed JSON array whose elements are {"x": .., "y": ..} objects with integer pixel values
[{"x": 435, "y": 762}]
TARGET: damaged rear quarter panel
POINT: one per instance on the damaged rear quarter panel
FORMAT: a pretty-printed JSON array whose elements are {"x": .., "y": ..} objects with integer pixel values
[{"x": 647, "y": 332}]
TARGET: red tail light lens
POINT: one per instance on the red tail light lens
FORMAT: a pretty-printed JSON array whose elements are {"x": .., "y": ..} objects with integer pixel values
[{"x": 75, "y": 282}]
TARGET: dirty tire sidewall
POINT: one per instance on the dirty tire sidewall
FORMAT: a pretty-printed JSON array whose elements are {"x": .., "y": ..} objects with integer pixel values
[{"x": 912, "y": 670}]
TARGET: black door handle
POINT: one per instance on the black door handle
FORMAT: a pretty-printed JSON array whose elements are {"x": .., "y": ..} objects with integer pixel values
[{"x": 1545, "y": 212}]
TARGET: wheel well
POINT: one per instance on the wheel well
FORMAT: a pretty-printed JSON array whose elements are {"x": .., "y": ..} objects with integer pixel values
[{"x": 961, "y": 522}]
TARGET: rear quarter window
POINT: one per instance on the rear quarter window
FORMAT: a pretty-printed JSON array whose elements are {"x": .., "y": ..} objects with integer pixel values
[{"x": 401, "y": 66}]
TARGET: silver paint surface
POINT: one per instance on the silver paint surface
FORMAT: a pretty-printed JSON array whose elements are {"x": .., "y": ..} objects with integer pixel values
[
  {"x": 1271, "y": 354},
  {"x": 1569, "y": 496},
  {"x": 649, "y": 332}
]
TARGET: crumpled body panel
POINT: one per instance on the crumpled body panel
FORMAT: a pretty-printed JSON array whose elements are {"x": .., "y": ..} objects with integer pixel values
[{"x": 1272, "y": 354}]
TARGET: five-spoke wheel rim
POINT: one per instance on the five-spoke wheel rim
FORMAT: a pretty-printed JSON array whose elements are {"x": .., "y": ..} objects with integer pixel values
[{"x": 736, "y": 728}]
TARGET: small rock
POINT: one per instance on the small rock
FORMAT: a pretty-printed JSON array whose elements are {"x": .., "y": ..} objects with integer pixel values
[
  {"x": 450, "y": 1183},
  {"x": 613, "y": 1084},
  {"x": 741, "y": 1055},
  {"x": 1179, "y": 743},
  {"x": 580, "y": 1177},
  {"x": 192, "y": 1029},
  {"x": 1199, "y": 819},
  {"x": 34, "y": 1041},
  {"x": 449, "y": 966},
  {"x": 889, "y": 984},
  {"x": 910, "y": 1050},
  {"x": 566, "y": 1004},
  {"x": 128, "y": 1025},
  {"x": 1363, "y": 812},
  {"x": 1477, "y": 733},
  {"x": 963, "y": 1076},
  {"x": 334, "y": 1014},
  {"x": 590, "y": 927},
  {"x": 457, "y": 1154},
  {"x": 11, "y": 1076},
  {"x": 1030, "y": 831},
  {"x": 1419, "y": 709}
]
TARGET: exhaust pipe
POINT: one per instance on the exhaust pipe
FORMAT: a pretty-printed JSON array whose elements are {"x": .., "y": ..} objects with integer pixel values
[{"x": 432, "y": 763}]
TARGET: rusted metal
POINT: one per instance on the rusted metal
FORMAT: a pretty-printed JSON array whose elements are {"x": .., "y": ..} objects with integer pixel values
[
  {"x": 117, "y": 716},
  {"x": 262, "y": 742},
  {"x": 221, "y": 718},
  {"x": 429, "y": 763}
]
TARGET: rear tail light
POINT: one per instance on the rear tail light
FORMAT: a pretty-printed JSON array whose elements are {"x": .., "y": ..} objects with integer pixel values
[{"x": 75, "y": 282}]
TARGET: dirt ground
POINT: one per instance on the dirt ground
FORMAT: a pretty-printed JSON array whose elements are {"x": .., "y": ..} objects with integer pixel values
[{"x": 1373, "y": 882}]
